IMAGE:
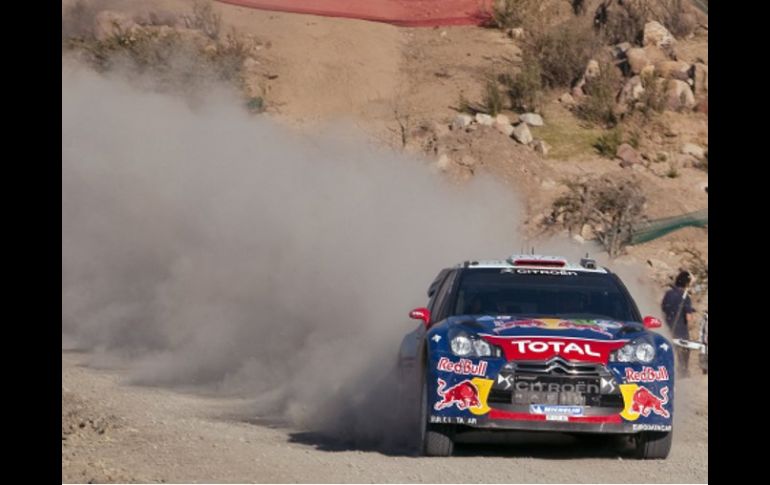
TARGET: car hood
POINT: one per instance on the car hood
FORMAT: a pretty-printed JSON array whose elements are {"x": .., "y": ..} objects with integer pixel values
[{"x": 511, "y": 326}]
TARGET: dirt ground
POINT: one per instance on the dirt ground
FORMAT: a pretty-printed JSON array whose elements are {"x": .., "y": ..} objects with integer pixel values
[{"x": 114, "y": 432}]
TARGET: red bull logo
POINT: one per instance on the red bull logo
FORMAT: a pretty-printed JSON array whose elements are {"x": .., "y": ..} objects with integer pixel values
[
  {"x": 464, "y": 367},
  {"x": 463, "y": 395},
  {"x": 640, "y": 401},
  {"x": 647, "y": 374}
]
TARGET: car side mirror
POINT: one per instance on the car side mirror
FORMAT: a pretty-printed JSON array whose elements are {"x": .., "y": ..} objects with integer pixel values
[
  {"x": 652, "y": 322},
  {"x": 421, "y": 314}
]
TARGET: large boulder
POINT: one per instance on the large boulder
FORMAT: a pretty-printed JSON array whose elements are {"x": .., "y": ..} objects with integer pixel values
[
  {"x": 502, "y": 120},
  {"x": 522, "y": 134},
  {"x": 532, "y": 119},
  {"x": 656, "y": 34},
  {"x": 484, "y": 119},
  {"x": 656, "y": 54},
  {"x": 504, "y": 128},
  {"x": 461, "y": 121},
  {"x": 636, "y": 58},
  {"x": 632, "y": 91},
  {"x": 679, "y": 95},
  {"x": 648, "y": 71},
  {"x": 673, "y": 70}
]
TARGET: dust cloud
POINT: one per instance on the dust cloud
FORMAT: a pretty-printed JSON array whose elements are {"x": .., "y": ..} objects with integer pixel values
[{"x": 203, "y": 246}]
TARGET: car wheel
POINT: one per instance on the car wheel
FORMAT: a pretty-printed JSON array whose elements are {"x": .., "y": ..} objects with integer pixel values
[
  {"x": 436, "y": 438},
  {"x": 653, "y": 445}
]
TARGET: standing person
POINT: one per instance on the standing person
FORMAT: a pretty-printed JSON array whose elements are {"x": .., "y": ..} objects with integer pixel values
[{"x": 678, "y": 310}]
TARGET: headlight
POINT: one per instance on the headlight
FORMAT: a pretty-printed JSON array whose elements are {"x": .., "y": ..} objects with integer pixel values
[
  {"x": 626, "y": 354},
  {"x": 464, "y": 345},
  {"x": 645, "y": 352},
  {"x": 482, "y": 348},
  {"x": 461, "y": 345},
  {"x": 635, "y": 352}
]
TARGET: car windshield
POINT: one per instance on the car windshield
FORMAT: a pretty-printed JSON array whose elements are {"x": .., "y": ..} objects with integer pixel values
[{"x": 548, "y": 293}]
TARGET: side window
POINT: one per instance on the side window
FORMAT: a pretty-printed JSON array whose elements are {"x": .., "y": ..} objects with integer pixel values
[
  {"x": 440, "y": 305},
  {"x": 434, "y": 287},
  {"x": 435, "y": 298}
]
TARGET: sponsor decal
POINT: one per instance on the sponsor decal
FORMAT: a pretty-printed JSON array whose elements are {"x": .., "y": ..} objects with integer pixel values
[
  {"x": 555, "y": 387},
  {"x": 607, "y": 385},
  {"x": 436, "y": 338},
  {"x": 647, "y": 374},
  {"x": 551, "y": 272},
  {"x": 664, "y": 346},
  {"x": 505, "y": 378},
  {"x": 465, "y": 367},
  {"x": 453, "y": 420},
  {"x": 651, "y": 427},
  {"x": 640, "y": 401},
  {"x": 598, "y": 326},
  {"x": 543, "y": 348},
  {"x": 560, "y": 410},
  {"x": 470, "y": 394}
]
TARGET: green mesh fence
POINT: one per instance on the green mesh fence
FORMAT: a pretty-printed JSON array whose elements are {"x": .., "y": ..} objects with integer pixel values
[{"x": 661, "y": 227}]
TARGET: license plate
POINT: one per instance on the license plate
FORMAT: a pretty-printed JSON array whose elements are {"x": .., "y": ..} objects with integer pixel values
[{"x": 556, "y": 417}]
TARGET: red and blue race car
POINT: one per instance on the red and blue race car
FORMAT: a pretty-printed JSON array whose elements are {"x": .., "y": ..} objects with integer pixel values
[{"x": 535, "y": 343}]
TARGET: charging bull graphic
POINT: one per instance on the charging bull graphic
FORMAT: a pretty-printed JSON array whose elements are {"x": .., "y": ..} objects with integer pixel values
[
  {"x": 640, "y": 401},
  {"x": 464, "y": 395},
  {"x": 470, "y": 395},
  {"x": 598, "y": 326}
]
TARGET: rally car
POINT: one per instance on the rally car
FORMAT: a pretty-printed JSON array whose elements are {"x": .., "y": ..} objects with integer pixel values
[{"x": 536, "y": 343}]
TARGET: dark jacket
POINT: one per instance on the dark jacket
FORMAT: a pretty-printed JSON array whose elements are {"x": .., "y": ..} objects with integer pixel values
[{"x": 672, "y": 301}]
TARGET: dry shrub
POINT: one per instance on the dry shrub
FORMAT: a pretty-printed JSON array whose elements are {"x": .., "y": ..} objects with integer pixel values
[
  {"x": 493, "y": 98},
  {"x": 601, "y": 92},
  {"x": 611, "y": 206},
  {"x": 563, "y": 52},
  {"x": 525, "y": 88},
  {"x": 654, "y": 98},
  {"x": 205, "y": 19}
]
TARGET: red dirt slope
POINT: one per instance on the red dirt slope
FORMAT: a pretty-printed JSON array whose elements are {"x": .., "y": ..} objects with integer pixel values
[{"x": 412, "y": 13}]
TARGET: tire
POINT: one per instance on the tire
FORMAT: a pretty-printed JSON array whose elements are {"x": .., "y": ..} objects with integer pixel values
[
  {"x": 653, "y": 445},
  {"x": 438, "y": 441},
  {"x": 436, "y": 438}
]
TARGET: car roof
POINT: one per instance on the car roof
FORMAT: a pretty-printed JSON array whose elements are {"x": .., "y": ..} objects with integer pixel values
[{"x": 536, "y": 261}]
